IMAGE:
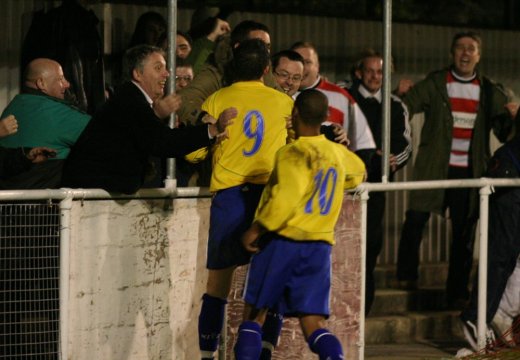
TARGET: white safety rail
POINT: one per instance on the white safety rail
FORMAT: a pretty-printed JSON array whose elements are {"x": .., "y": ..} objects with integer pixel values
[{"x": 66, "y": 196}]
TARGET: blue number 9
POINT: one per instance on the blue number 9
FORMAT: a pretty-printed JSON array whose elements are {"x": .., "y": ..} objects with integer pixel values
[{"x": 258, "y": 135}]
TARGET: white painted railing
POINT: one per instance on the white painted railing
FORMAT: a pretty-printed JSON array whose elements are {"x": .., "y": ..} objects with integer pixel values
[{"x": 485, "y": 185}]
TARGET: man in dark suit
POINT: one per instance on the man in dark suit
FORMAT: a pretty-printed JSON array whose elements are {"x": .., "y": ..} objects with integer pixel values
[{"x": 114, "y": 150}]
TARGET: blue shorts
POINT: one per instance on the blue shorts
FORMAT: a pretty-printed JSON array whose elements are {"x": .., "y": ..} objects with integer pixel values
[
  {"x": 292, "y": 274},
  {"x": 232, "y": 212}
]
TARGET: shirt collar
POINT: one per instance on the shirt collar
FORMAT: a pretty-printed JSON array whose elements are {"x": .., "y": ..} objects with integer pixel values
[
  {"x": 148, "y": 98},
  {"x": 367, "y": 94}
]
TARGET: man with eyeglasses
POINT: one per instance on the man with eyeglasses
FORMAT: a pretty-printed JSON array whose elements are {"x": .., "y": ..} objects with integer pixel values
[
  {"x": 460, "y": 108},
  {"x": 183, "y": 74},
  {"x": 343, "y": 109},
  {"x": 288, "y": 70}
]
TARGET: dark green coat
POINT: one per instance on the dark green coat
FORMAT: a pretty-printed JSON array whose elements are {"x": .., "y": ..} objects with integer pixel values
[{"x": 431, "y": 97}]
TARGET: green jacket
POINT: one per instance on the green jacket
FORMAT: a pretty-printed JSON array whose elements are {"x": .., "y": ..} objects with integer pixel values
[
  {"x": 431, "y": 97},
  {"x": 44, "y": 121}
]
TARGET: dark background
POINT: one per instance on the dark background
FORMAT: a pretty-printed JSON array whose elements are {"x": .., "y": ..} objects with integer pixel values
[{"x": 493, "y": 14}]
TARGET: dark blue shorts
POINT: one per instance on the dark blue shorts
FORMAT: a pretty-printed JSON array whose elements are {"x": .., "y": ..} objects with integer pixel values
[
  {"x": 295, "y": 275},
  {"x": 232, "y": 212}
]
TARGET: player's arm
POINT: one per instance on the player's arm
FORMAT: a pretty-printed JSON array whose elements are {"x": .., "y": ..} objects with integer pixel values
[{"x": 356, "y": 171}]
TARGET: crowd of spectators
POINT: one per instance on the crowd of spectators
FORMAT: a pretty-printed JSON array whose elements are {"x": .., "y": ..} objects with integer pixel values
[{"x": 55, "y": 134}]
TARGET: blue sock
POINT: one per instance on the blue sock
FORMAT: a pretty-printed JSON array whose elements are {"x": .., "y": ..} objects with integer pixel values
[
  {"x": 249, "y": 342},
  {"x": 270, "y": 333},
  {"x": 325, "y": 344},
  {"x": 211, "y": 319}
]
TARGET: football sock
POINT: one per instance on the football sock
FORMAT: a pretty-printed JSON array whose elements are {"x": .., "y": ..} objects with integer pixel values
[
  {"x": 249, "y": 342},
  {"x": 270, "y": 333},
  {"x": 211, "y": 320},
  {"x": 326, "y": 345}
]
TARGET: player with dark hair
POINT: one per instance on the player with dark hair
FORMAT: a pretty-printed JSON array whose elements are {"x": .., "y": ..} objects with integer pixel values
[
  {"x": 242, "y": 164},
  {"x": 293, "y": 232}
]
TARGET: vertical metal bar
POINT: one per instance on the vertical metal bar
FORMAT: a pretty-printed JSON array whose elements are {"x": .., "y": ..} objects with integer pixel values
[
  {"x": 387, "y": 83},
  {"x": 172, "y": 45},
  {"x": 65, "y": 210},
  {"x": 483, "y": 265},
  {"x": 361, "y": 343}
]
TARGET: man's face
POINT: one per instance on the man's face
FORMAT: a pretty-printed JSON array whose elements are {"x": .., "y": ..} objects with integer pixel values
[
  {"x": 183, "y": 76},
  {"x": 262, "y": 35},
  {"x": 466, "y": 55},
  {"x": 153, "y": 76},
  {"x": 288, "y": 75},
  {"x": 55, "y": 83},
  {"x": 311, "y": 68},
  {"x": 371, "y": 74},
  {"x": 183, "y": 47}
]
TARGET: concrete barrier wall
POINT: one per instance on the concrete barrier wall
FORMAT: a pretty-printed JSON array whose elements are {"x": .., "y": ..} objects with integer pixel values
[{"x": 138, "y": 273}]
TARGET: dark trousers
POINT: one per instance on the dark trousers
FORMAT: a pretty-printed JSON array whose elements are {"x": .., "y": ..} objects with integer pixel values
[
  {"x": 463, "y": 231},
  {"x": 503, "y": 251},
  {"x": 375, "y": 213}
]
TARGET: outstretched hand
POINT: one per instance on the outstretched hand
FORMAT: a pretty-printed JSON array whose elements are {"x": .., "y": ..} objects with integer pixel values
[
  {"x": 163, "y": 107},
  {"x": 224, "y": 120},
  {"x": 40, "y": 154}
]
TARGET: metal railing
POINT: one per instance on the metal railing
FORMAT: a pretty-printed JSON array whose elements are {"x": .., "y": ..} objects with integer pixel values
[{"x": 66, "y": 196}]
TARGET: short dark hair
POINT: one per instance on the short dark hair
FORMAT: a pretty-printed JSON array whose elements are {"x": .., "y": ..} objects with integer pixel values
[
  {"x": 312, "y": 106},
  {"x": 250, "y": 60},
  {"x": 186, "y": 36},
  {"x": 241, "y": 32},
  {"x": 135, "y": 56},
  {"x": 289, "y": 54},
  {"x": 150, "y": 17},
  {"x": 180, "y": 62},
  {"x": 470, "y": 34}
]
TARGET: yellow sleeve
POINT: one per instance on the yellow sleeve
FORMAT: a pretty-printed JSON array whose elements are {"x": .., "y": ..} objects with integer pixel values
[{"x": 356, "y": 171}]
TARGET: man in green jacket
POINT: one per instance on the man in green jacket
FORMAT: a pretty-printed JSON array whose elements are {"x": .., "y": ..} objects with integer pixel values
[
  {"x": 46, "y": 119},
  {"x": 460, "y": 108}
]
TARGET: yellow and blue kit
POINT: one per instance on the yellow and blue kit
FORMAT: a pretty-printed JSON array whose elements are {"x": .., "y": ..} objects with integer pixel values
[
  {"x": 257, "y": 132},
  {"x": 299, "y": 207},
  {"x": 242, "y": 164}
]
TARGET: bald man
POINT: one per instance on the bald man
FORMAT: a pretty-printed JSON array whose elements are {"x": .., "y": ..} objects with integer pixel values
[{"x": 45, "y": 118}]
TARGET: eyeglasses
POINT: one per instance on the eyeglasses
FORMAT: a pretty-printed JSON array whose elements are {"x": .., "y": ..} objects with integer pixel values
[
  {"x": 470, "y": 49},
  {"x": 287, "y": 76},
  {"x": 186, "y": 78}
]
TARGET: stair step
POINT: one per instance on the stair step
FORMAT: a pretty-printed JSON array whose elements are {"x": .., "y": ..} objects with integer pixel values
[
  {"x": 395, "y": 302},
  {"x": 410, "y": 327},
  {"x": 429, "y": 275}
]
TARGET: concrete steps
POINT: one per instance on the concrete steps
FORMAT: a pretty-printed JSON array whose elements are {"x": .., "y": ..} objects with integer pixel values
[{"x": 406, "y": 317}]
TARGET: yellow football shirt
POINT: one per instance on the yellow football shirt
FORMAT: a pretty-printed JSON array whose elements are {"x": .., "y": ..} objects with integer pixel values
[
  {"x": 257, "y": 132},
  {"x": 303, "y": 197}
]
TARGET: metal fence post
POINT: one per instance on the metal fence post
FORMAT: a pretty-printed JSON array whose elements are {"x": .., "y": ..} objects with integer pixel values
[{"x": 483, "y": 265}]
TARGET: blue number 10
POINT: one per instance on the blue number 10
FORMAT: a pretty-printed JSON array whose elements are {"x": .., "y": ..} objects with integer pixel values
[
  {"x": 258, "y": 135},
  {"x": 321, "y": 183}
]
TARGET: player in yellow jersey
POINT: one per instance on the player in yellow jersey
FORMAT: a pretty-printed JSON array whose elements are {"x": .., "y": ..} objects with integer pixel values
[
  {"x": 293, "y": 231},
  {"x": 242, "y": 164}
]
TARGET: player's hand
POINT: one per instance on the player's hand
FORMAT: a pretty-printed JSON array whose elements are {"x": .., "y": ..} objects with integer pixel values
[
  {"x": 8, "y": 126},
  {"x": 165, "y": 106},
  {"x": 341, "y": 134},
  {"x": 40, "y": 154},
  {"x": 251, "y": 237}
]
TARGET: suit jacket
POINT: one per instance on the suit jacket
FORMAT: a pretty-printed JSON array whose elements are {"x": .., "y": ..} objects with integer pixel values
[{"x": 113, "y": 151}]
